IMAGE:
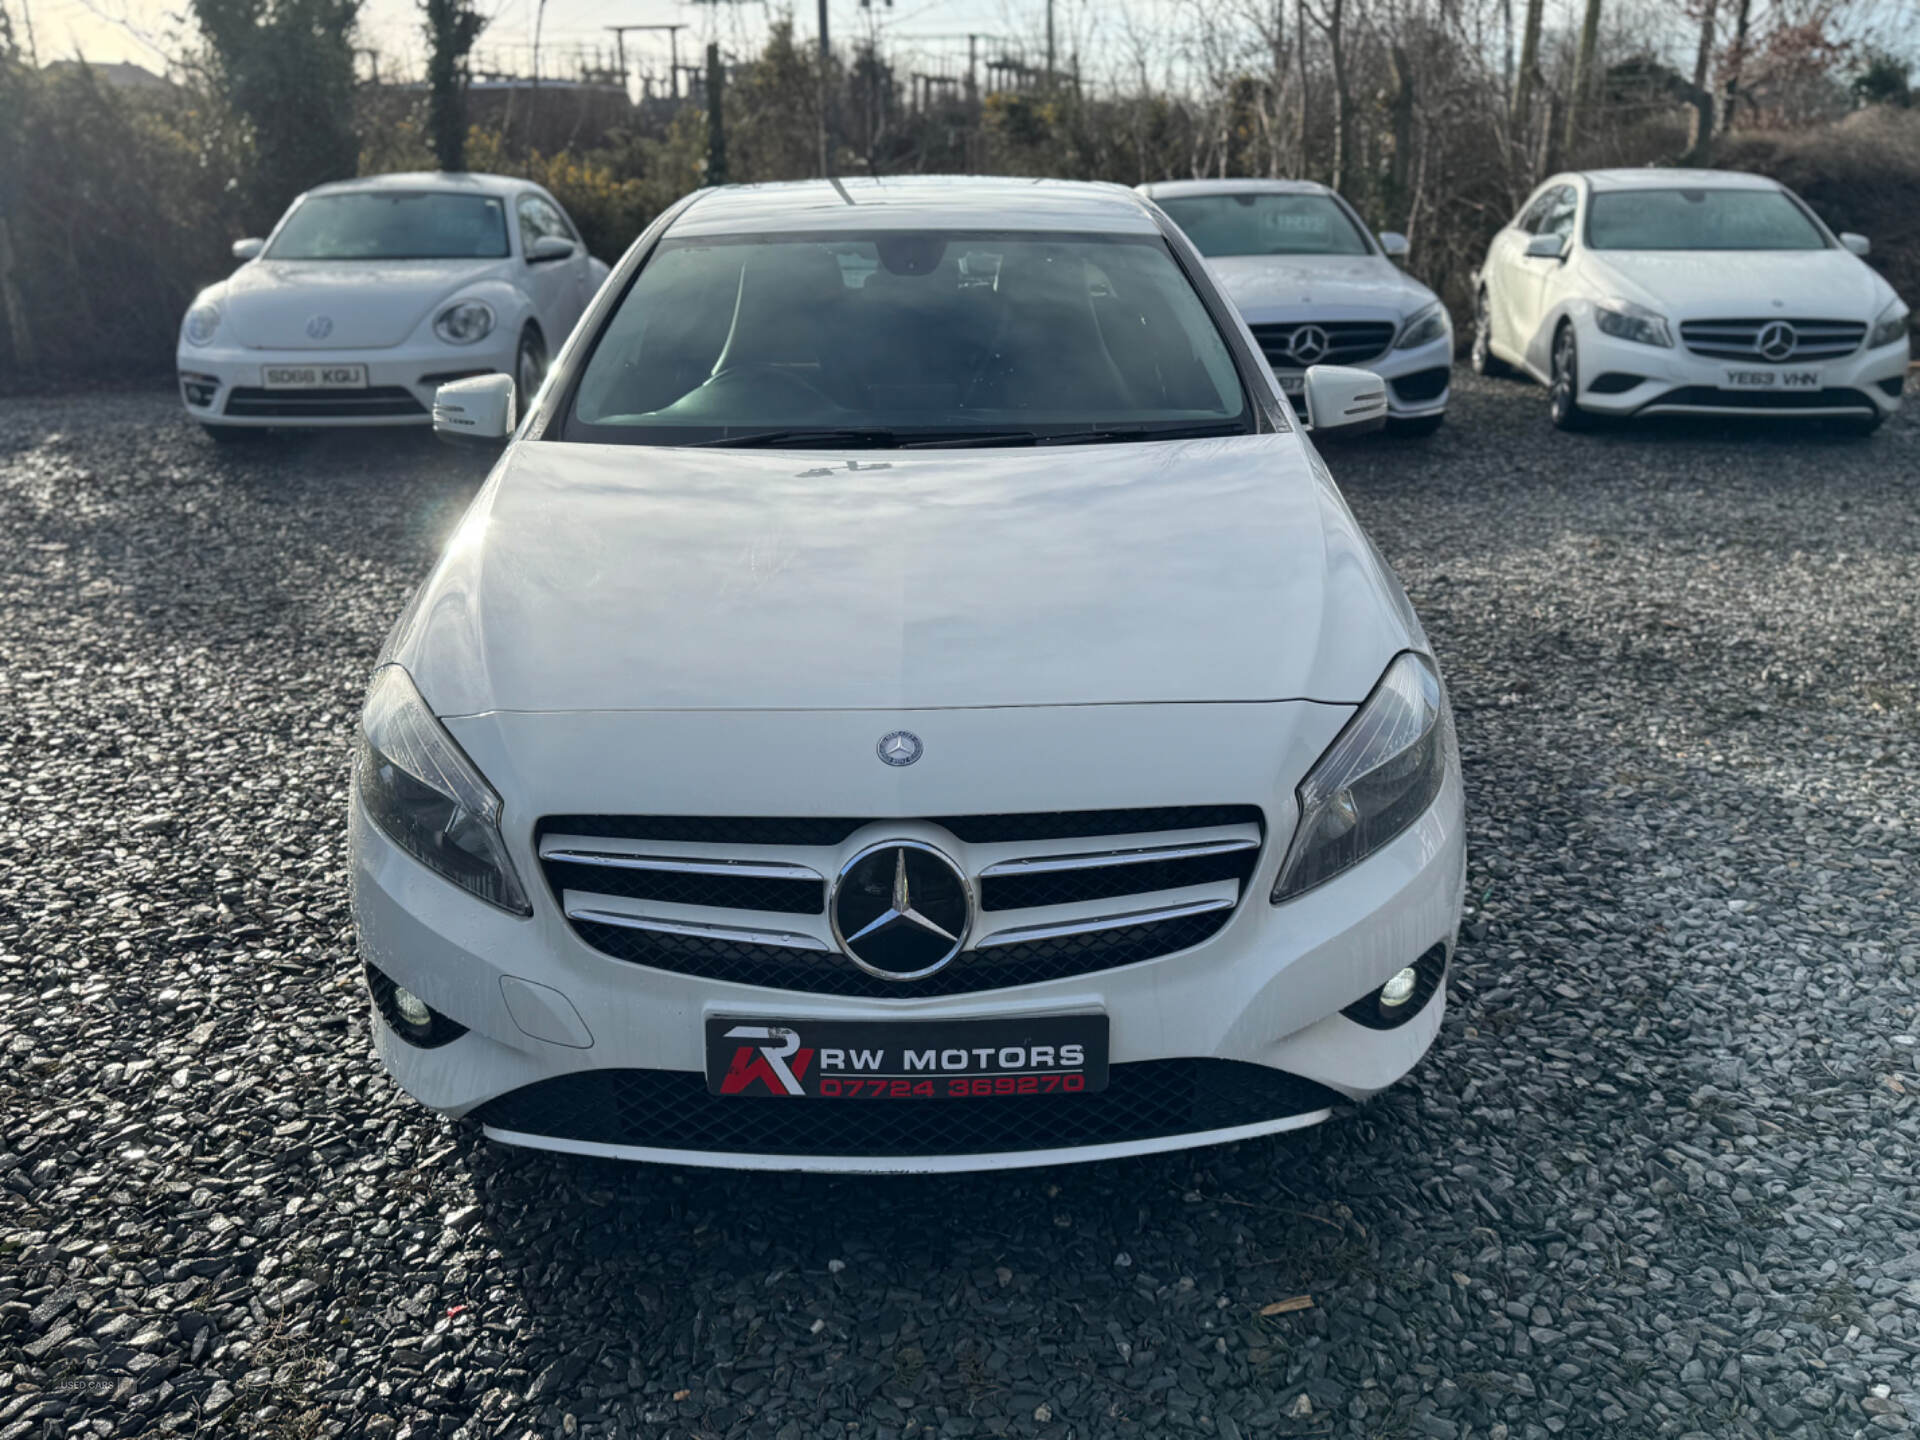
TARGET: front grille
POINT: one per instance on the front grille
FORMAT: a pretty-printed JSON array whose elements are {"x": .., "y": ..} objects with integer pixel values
[
  {"x": 1349, "y": 342},
  {"x": 1740, "y": 339},
  {"x": 744, "y": 900},
  {"x": 322, "y": 404},
  {"x": 1422, "y": 385},
  {"x": 1782, "y": 400},
  {"x": 671, "y": 1110}
]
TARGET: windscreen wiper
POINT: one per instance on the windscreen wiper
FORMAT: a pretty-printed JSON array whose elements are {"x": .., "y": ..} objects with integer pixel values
[
  {"x": 1111, "y": 433},
  {"x": 864, "y": 438}
]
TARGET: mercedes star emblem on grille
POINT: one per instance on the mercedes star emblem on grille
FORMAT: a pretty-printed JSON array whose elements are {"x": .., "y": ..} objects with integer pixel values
[
  {"x": 901, "y": 910},
  {"x": 1309, "y": 344},
  {"x": 319, "y": 327},
  {"x": 902, "y": 747},
  {"x": 1776, "y": 341}
]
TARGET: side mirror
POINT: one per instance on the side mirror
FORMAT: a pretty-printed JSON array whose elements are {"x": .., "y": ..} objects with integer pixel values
[
  {"x": 248, "y": 249},
  {"x": 1395, "y": 244},
  {"x": 479, "y": 411},
  {"x": 1344, "y": 401},
  {"x": 1546, "y": 247},
  {"x": 1858, "y": 244},
  {"x": 549, "y": 247}
]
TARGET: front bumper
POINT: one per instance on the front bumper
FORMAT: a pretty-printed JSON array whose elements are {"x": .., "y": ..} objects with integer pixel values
[
  {"x": 222, "y": 384},
  {"x": 1419, "y": 380},
  {"x": 1636, "y": 379},
  {"x": 1266, "y": 991}
]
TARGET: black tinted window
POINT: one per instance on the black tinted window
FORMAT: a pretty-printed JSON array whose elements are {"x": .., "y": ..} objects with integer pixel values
[
  {"x": 1255, "y": 223},
  {"x": 932, "y": 333},
  {"x": 393, "y": 225},
  {"x": 1557, "y": 216},
  {"x": 1700, "y": 220}
]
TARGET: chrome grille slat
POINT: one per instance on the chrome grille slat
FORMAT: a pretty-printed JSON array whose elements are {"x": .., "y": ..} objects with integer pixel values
[
  {"x": 677, "y": 865},
  {"x": 1349, "y": 342},
  {"x": 1738, "y": 339},
  {"x": 1057, "y": 893},
  {"x": 1093, "y": 924},
  {"x": 660, "y": 925},
  {"x": 1141, "y": 855}
]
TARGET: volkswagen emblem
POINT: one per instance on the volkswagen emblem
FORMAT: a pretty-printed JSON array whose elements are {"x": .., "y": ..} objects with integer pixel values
[
  {"x": 319, "y": 327},
  {"x": 901, "y": 910},
  {"x": 902, "y": 747},
  {"x": 1777, "y": 340},
  {"x": 1309, "y": 345}
]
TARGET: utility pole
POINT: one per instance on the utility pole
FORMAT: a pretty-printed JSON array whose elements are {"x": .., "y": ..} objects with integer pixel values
[
  {"x": 716, "y": 117},
  {"x": 673, "y": 49},
  {"x": 826, "y": 97},
  {"x": 1049, "y": 45}
]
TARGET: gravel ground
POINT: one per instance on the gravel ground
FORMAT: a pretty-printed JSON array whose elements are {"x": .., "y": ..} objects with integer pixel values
[{"x": 1657, "y": 1178}]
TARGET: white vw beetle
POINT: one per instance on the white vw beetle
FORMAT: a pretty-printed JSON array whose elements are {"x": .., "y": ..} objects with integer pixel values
[{"x": 371, "y": 293}]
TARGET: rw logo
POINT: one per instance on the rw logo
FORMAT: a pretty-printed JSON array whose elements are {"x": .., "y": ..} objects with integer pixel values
[{"x": 778, "y": 1063}]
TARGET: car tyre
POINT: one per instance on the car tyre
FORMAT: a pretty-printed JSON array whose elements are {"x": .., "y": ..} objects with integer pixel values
[
  {"x": 1481, "y": 357},
  {"x": 1417, "y": 428},
  {"x": 529, "y": 366},
  {"x": 1563, "y": 388}
]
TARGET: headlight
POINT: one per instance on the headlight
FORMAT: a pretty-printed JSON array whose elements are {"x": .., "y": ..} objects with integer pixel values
[
  {"x": 427, "y": 796},
  {"x": 464, "y": 323},
  {"x": 1625, "y": 320},
  {"x": 1378, "y": 777},
  {"x": 202, "y": 321},
  {"x": 1891, "y": 326},
  {"x": 1423, "y": 327}
]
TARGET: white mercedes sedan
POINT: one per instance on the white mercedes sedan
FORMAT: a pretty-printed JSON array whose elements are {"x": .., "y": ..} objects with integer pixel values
[
  {"x": 909, "y": 697},
  {"x": 371, "y": 293},
  {"x": 1318, "y": 289},
  {"x": 1689, "y": 292}
]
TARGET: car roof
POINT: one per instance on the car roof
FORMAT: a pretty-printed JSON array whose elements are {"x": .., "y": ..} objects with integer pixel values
[
  {"x": 899, "y": 202},
  {"x": 1176, "y": 189},
  {"x": 1658, "y": 178},
  {"x": 452, "y": 182}
]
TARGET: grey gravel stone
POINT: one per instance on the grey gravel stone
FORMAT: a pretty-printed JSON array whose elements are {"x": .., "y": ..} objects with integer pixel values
[{"x": 1656, "y": 1179}]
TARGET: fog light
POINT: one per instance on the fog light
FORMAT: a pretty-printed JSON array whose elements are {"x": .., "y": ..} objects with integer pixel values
[
  {"x": 408, "y": 1016},
  {"x": 414, "y": 1010},
  {"x": 1394, "y": 993}
]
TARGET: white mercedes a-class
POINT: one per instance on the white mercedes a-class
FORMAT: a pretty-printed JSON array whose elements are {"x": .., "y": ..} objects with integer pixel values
[
  {"x": 909, "y": 697},
  {"x": 1690, "y": 292},
  {"x": 370, "y": 294},
  {"x": 1317, "y": 289}
]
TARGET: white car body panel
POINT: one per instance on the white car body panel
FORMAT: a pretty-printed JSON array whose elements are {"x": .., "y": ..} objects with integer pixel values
[
  {"x": 379, "y": 314},
  {"x": 624, "y": 631},
  {"x": 1023, "y": 577},
  {"x": 1290, "y": 289},
  {"x": 1531, "y": 297}
]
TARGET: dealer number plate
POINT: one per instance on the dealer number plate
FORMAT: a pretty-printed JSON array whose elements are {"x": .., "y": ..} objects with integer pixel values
[
  {"x": 314, "y": 377},
  {"x": 908, "y": 1060},
  {"x": 1773, "y": 380}
]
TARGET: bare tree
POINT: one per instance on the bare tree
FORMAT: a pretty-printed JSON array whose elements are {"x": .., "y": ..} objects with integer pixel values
[
  {"x": 1582, "y": 73},
  {"x": 452, "y": 26},
  {"x": 1332, "y": 24},
  {"x": 1529, "y": 72}
]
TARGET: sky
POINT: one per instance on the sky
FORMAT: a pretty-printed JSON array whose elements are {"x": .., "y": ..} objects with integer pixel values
[{"x": 147, "y": 31}]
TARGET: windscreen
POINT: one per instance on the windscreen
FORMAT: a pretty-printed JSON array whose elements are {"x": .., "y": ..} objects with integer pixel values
[
  {"x": 394, "y": 225},
  {"x": 918, "y": 337},
  {"x": 1699, "y": 220},
  {"x": 1253, "y": 223}
]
